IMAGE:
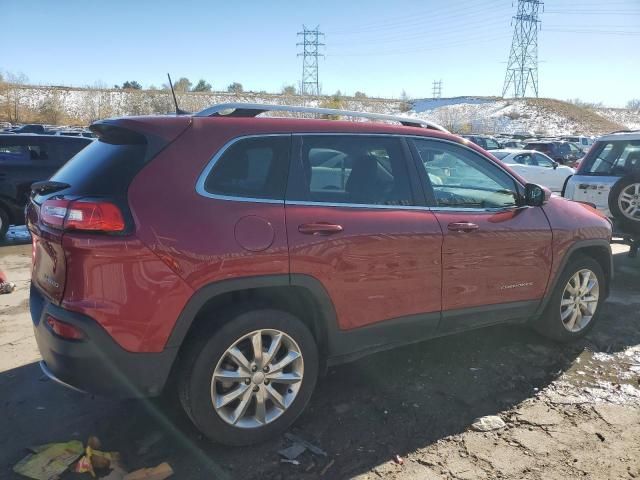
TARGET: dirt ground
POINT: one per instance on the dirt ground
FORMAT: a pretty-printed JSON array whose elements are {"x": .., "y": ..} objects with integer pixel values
[{"x": 571, "y": 411}]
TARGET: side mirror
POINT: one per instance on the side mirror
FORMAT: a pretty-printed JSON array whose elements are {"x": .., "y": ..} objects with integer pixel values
[
  {"x": 535, "y": 195},
  {"x": 555, "y": 165}
]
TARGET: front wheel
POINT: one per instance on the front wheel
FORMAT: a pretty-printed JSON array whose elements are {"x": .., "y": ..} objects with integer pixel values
[
  {"x": 250, "y": 379},
  {"x": 574, "y": 306}
]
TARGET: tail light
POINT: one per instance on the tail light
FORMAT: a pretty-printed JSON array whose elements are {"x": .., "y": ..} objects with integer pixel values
[
  {"x": 83, "y": 215},
  {"x": 64, "y": 329}
]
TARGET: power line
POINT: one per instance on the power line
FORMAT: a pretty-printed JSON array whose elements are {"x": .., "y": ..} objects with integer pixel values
[
  {"x": 310, "y": 84},
  {"x": 522, "y": 67}
]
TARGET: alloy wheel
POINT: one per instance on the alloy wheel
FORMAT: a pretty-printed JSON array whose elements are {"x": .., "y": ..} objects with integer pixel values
[
  {"x": 257, "y": 378},
  {"x": 629, "y": 201},
  {"x": 579, "y": 300}
]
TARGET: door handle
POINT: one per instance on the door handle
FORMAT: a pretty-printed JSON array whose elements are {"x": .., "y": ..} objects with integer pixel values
[
  {"x": 319, "y": 228},
  {"x": 462, "y": 227}
]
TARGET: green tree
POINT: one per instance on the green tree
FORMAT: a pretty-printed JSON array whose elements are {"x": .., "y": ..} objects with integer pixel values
[
  {"x": 235, "y": 87},
  {"x": 131, "y": 85},
  {"x": 202, "y": 86},
  {"x": 289, "y": 90},
  {"x": 360, "y": 94}
]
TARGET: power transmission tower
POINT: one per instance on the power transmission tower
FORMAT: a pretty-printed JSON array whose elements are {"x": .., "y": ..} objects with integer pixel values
[
  {"x": 437, "y": 89},
  {"x": 522, "y": 67},
  {"x": 310, "y": 43}
]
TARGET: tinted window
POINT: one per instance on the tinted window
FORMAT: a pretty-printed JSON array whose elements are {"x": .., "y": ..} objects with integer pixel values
[
  {"x": 543, "y": 161},
  {"x": 613, "y": 158},
  {"x": 355, "y": 169},
  {"x": 252, "y": 168},
  {"x": 461, "y": 178}
]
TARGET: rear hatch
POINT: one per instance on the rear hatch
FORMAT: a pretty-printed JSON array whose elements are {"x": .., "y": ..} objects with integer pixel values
[{"x": 88, "y": 196}]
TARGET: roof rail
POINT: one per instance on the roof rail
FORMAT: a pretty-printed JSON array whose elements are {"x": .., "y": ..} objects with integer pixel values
[{"x": 255, "y": 109}]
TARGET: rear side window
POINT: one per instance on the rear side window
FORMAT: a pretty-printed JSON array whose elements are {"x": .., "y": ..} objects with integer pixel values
[
  {"x": 612, "y": 158},
  {"x": 252, "y": 168},
  {"x": 352, "y": 169}
]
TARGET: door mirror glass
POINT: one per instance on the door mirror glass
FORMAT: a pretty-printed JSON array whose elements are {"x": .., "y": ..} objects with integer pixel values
[
  {"x": 555, "y": 165},
  {"x": 534, "y": 195}
]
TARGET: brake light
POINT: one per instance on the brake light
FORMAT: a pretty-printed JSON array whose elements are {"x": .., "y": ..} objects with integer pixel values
[
  {"x": 64, "y": 329},
  {"x": 85, "y": 215}
]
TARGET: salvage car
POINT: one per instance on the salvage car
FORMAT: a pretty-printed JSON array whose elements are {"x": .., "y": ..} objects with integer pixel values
[
  {"x": 536, "y": 167},
  {"x": 214, "y": 252},
  {"x": 28, "y": 158},
  {"x": 609, "y": 179}
]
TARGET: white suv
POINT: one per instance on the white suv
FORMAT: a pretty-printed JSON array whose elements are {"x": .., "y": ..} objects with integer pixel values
[{"x": 609, "y": 178}]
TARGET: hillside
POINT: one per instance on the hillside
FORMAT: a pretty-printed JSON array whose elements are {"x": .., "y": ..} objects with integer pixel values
[{"x": 81, "y": 106}]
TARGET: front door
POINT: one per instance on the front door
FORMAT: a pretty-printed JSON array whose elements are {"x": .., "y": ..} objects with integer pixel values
[
  {"x": 496, "y": 256},
  {"x": 353, "y": 223}
]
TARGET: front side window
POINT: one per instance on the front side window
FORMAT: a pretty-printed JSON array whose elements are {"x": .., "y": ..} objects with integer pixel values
[
  {"x": 491, "y": 144},
  {"x": 460, "y": 178},
  {"x": 524, "y": 159},
  {"x": 543, "y": 161},
  {"x": 613, "y": 158},
  {"x": 355, "y": 169},
  {"x": 252, "y": 168}
]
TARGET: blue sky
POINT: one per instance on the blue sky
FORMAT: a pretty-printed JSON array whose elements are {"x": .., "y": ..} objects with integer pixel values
[{"x": 588, "y": 49}]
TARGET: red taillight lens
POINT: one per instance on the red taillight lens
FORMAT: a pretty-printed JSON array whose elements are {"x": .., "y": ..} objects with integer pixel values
[
  {"x": 82, "y": 215},
  {"x": 64, "y": 330}
]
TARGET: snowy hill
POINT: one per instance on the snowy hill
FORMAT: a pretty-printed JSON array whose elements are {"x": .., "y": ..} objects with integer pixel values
[{"x": 63, "y": 105}]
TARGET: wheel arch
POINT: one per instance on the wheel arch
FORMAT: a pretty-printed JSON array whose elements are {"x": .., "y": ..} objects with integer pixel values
[
  {"x": 597, "y": 249},
  {"x": 300, "y": 295}
]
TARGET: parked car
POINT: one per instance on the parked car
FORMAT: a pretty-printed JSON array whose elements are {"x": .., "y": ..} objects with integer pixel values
[
  {"x": 536, "y": 167},
  {"x": 30, "y": 128},
  {"x": 25, "y": 159},
  {"x": 484, "y": 141},
  {"x": 609, "y": 178},
  {"x": 581, "y": 141},
  {"x": 161, "y": 256},
  {"x": 558, "y": 151},
  {"x": 510, "y": 143}
]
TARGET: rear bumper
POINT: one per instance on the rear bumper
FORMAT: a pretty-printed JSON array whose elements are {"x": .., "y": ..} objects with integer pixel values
[{"x": 98, "y": 364}]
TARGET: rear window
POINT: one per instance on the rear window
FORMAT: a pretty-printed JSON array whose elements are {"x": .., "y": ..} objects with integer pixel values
[
  {"x": 252, "y": 168},
  {"x": 39, "y": 150},
  {"x": 102, "y": 168},
  {"x": 500, "y": 155},
  {"x": 612, "y": 158}
]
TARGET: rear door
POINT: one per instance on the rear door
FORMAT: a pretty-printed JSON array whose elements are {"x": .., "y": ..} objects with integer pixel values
[
  {"x": 496, "y": 257},
  {"x": 355, "y": 223}
]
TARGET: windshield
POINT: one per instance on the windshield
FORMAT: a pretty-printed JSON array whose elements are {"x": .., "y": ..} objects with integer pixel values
[{"x": 613, "y": 158}]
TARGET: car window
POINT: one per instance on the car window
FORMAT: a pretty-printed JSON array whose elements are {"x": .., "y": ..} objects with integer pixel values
[
  {"x": 543, "y": 161},
  {"x": 252, "y": 168},
  {"x": 491, "y": 144},
  {"x": 464, "y": 179},
  {"x": 613, "y": 158},
  {"x": 370, "y": 170},
  {"x": 564, "y": 148},
  {"x": 500, "y": 155},
  {"x": 524, "y": 159}
]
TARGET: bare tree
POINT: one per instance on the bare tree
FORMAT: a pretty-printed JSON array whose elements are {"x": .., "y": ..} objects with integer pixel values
[
  {"x": 12, "y": 91},
  {"x": 634, "y": 104},
  {"x": 235, "y": 87},
  {"x": 51, "y": 108}
]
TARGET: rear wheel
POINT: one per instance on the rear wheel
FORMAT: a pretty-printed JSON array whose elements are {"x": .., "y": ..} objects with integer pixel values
[
  {"x": 4, "y": 223},
  {"x": 574, "y": 307},
  {"x": 624, "y": 203},
  {"x": 249, "y": 380}
]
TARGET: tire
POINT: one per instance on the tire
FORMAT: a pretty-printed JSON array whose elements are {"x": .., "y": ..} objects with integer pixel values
[
  {"x": 626, "y": 193},
  {"x": 4, "y": 223},
  {"x": 551, "y": 323},
  {"x": 210, "y": 352}
]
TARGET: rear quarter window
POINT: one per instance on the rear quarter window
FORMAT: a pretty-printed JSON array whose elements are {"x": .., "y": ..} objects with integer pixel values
[{"x": 251, "y": 168}]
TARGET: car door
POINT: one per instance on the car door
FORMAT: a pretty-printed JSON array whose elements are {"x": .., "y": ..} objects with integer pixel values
[
  {"x": 496, "y": 256},
  {"x": 552, "y": 175},
  {"x": 361, "y": 230}
]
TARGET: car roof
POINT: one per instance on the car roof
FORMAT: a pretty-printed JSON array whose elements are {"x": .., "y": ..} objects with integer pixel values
[{"x": 634, "y": 135}]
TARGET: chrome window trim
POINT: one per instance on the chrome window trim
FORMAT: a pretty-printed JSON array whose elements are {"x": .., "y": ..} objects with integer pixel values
[{"x": 214, "y": 160}]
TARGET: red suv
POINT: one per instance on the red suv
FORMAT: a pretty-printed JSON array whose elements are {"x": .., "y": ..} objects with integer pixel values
[{"x": 238, "y": 257}]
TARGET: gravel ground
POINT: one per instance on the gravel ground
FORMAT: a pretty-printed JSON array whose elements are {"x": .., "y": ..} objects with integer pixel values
[{"x": 570, "y": 411}]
